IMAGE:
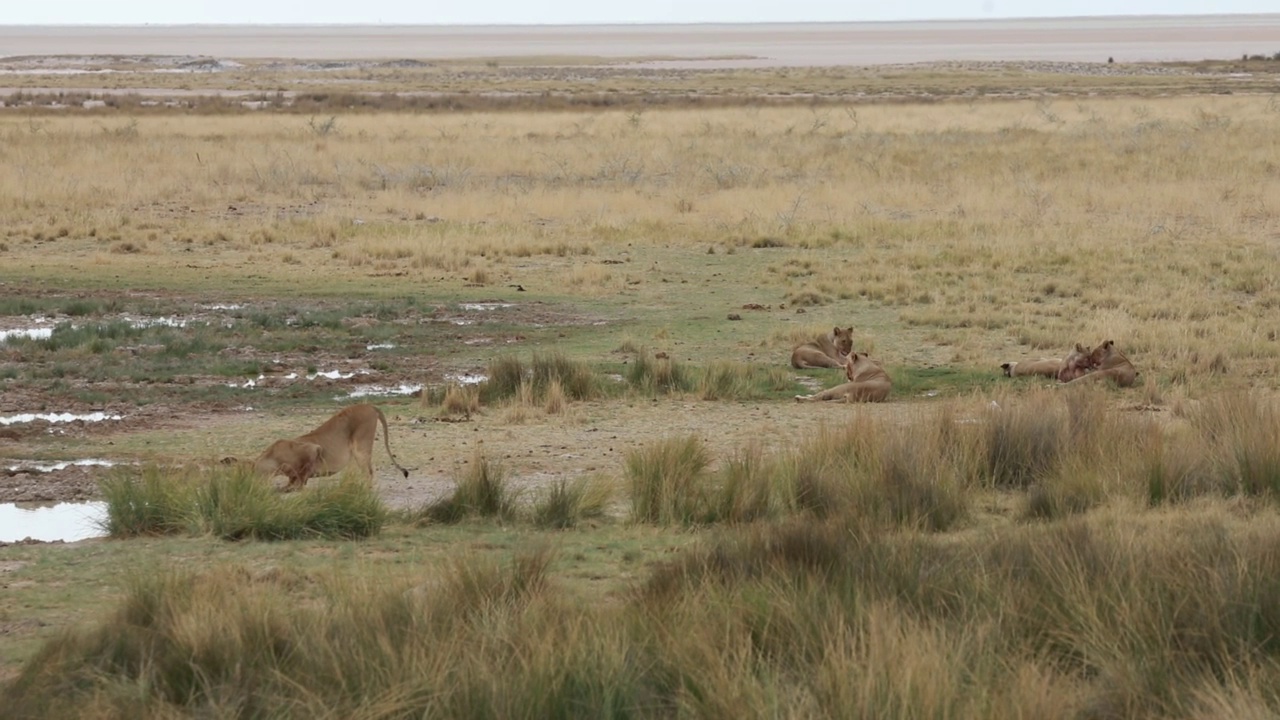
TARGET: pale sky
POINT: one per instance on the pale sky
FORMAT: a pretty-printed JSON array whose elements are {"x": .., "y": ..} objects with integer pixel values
[{"x": 520, "y": 12}]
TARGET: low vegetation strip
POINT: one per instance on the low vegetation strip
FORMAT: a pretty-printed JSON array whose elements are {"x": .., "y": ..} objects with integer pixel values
[
  {"x": 232, "y": 504},
  {"x": 793, "y": 619}
]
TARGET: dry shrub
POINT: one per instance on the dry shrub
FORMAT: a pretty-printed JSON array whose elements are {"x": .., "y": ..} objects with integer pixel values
[
  {"x": 463, "y": 400},
  {"x": 554, "y": 400}
]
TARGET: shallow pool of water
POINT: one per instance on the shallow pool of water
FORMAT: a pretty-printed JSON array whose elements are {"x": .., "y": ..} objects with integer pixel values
[
  {"x": 56, "y": 417},
  {"x": 371, "y": 390},
  {"x": 68, "y": 521},
  {"x": 467, "y": 378},
  {"x": 33, "y": 333},
  {"x": 44, "y": 467}
]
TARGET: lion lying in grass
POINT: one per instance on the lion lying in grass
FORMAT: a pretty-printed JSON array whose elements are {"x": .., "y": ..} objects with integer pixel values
[
  {"x": 342, "y": 440},
  {"x": 868, "y": 382},
  {"x": 824, "y": 351},
  {"x": 1044, "y": 367},
  {"x": 1106, "y": 363}
]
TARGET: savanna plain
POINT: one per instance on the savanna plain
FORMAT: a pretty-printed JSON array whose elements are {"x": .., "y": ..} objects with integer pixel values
[{"x": 576, "y": 309}]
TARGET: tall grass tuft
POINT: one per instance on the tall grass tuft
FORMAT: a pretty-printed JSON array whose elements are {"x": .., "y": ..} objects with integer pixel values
[
  {"x": 507, "y": 374},
  {"x": 746, "y": 487},
  {"x": 726, "y": 380},
  {"x": 233, "y": 504},
  {"x": 667, "y": 481},
  {"x": 574, "y": 377},
  {"x": 1023, "y": 441},
  {"x": 1244, "y": 431},
  {"x": 657, "y": 376},
  {"x": 147, "y": 501},
  {"x": 460, "y": 400},
  {"x": 481, "y": 492},
  {"x": 1178, "y": 468},
  {"x": 569, "y": 502}
]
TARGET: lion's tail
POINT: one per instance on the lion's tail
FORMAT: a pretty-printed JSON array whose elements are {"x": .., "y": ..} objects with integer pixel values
[{"x": 386, "y": 442}]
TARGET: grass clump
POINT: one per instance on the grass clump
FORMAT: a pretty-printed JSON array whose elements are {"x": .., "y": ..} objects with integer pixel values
[
  {"x": 458, "y": 401},
  {"x": 652, "y": 375},
  {"x": 233, "y": 504},
  {"x": 481, "y": 492},
  {"x": 727, "y": 380},
  {"x": 574, "y": 379},
  {"x": 1023, "y": 442},
  {"x": 666, "y": 481},
  {"x": 146, "y": 501},
  {"x": 569, "y": 502}
]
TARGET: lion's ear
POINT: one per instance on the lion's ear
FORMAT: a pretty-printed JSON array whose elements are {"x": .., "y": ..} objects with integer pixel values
[
  {"x": 849, "y": 329},
  {"x": 835, "y": 330}
]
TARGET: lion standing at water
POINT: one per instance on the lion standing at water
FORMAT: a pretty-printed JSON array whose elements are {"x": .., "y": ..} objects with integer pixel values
[{"x": 344, "y": 439}]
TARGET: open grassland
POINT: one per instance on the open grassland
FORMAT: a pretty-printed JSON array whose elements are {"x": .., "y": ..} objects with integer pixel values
[
  {"x": 630, "y": 517},
  {"x": 135, "y": 83},
  {"x": 987, "y": 228}
]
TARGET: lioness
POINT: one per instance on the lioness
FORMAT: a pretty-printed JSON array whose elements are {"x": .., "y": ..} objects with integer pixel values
[
  {"x": 1047, "y": 367},
  {"x": 868, "y": 382},
  {"x": 824, "y": 351},
  {"x": 344, "y": 438},
  {"x": 1076, "y": 364},
  {"x": 1108, "y": 363}
]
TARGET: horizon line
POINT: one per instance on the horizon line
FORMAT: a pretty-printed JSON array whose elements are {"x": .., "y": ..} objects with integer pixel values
[{"x": 625, "y": 23}]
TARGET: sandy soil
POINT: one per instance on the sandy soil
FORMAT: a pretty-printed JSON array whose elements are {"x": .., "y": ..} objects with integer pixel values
[{"x": 1127, "y": 39}]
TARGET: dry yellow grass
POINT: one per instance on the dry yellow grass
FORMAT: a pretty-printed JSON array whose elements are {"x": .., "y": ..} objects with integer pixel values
[{"x": 993, "y": 228}]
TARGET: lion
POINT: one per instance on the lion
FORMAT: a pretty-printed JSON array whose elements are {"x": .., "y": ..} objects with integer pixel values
[
  {"x": 1076, "y": 364},
  {"x": 342, "y": 440},
  {"x": 868, "y": 382},
  {"x": 1108, "y": 363},
  {"x": 1046, "y": 367},
  {"x": 824, "y": 351}
]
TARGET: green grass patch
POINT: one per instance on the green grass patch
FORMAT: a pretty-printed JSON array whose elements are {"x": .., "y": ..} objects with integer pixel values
[
  {"x": 569, "y": 502},
  {"x": 727, "y": 380},
  {"x": 913, "y": 381},
  {"x": 232, "y": 504}
]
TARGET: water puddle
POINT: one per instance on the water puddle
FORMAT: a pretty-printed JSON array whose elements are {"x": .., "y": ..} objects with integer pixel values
[
  {"x": 336, "y": 374},
  {"x": 32, "y": 333},
  {"x": 467, "y": 378},
  {"x": 56, "y": 417},
  {"x": 379, "y": 346},
  {"x": 161, "y": 321},
  {"x": 482, "y": 306},
  {"x": 50, "y": 521},
  {"x": 370, "y": 390},
  {"x": 47, "y": 467}
]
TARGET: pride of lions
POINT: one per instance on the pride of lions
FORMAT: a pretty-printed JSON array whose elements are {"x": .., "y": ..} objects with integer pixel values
[
  {"x": 868, "y": 382},
  {"x": 346, "y": 439}
]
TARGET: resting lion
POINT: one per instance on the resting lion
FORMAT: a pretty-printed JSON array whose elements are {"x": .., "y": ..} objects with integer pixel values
[
  {"x": 868, "y": 382},
  {"x": 1046, "y": 367},
  {"x": 1076, "y": 364},
  {"x": 1108, "y": 363},
  {"x": 824, "y": 351},
  {"x": 343, "y": 439}
]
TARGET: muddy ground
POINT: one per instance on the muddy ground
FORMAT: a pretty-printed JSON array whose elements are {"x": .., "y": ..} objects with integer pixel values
[
  {"x": 197, "y": 417},
  {"x": 186, "y": 420}
]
